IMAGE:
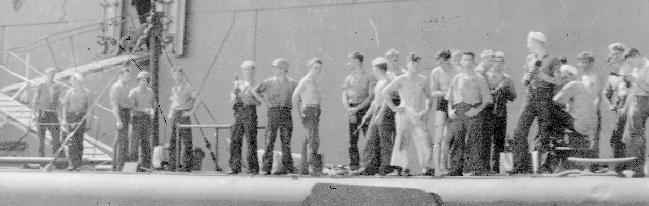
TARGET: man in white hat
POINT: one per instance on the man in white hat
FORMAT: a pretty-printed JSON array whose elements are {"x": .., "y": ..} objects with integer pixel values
[
  {"x": 245, "y": 120},
  {"x": 141, "y": 97},
  {"x": 541, "y": 80},
  {"x": 378, "y": 149},
  {"x": 639, "y": 112},
  {"x": 616, "y": 91},
  {"x": 307, "y": 98},
  {"x": 581, "y": 103},
  {"x": 76, "y": 104}
]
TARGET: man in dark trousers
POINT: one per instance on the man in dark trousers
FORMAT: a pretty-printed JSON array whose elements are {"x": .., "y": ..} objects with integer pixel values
[
  {"x": 357, "y": 96},
  {"x": 307, "y": 98},
  {"x": 76, "y": 104},
  {"x": 245, "y": 120},
  {"x": 121, "y": 106},
  {"x": 541, "y": 81},
  {"x": 276, "y": 93},
  {"x": 141, "y": 97},
  {"x": 616, "y": 91},
  {"x": 182, "y": 99},
  {"x": 45, "y": 106}
]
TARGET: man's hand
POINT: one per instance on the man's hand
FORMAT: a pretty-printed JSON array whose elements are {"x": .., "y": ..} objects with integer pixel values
[
  {"x": 612, "y": 108},
  {"x": 302, "y": 115},
  {"x": 352, "y": 110},
  {"x": 119, "y": 124},
  {"x": 451, "y": 114},
  {"x": 352, "y": 118},
  {"x": 472, "y": 112}
]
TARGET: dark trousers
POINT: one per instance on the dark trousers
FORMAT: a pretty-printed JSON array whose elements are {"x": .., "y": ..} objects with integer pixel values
[
  {"x": 120, "y": 147},
  {"x": 544, "y": 109},
  {"x": 616, "y": 136},
  {"x": 636, "y": 145},
  {"x": 312, "y": 141},
  {"x": 75, "y": 144},
  {"x": 245, "y": 123},
  {"x": 183, "y": 137},
  {"x": 279, "y": 119},
  {"x": 52, "y": 118},
  {"x": 467, "y": 142},
  {"x": 378, "y": 149},
  {"x": 140, "y": 146},
  {"x": 495, "y": 131},
  {"x": 354, "y": 157}
]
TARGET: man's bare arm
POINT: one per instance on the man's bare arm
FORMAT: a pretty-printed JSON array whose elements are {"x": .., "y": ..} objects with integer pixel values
[
  {"x": 387, "y": 92},
  {"x": 258, "y": 96},
  {"x": 114, "y": 104},
  {"x": 295, "y": 98}
]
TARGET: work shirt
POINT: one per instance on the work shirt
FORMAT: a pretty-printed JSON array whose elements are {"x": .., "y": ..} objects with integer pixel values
[
  {"x": 616, "y": 91},
  {"x": 77, "y": 100},
  {"x": 502, "y": 90},
  {"x": 358, "y": 85},
  {"x": 642, "y": 77},
  {"x": 182, "y": 97},
  {"x": 141, "y": 97},
  {"x": 582, "y": 105},
  {"x": 468, "y": 88},
  {"x": 277, "y": 91},
  {"x": 119, "y": 94},
  {"x": 48, "y": 96},
  {"x": 245, "y": 93},
  {"x": 548, "y": 65}
]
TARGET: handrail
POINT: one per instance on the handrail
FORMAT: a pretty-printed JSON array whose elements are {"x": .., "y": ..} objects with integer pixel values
[{"x": 40, "y": 73}]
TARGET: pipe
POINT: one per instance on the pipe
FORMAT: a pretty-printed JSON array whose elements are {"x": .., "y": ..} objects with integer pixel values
[
  {"x": 35, "y": 188},
  {"x": 45, "y": 160}
]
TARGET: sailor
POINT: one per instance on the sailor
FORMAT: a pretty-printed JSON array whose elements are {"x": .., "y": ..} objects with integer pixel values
[
  {"x": 616, "y": 91},
  {"x": 503, "y": 91},
  {"x": 541, "y": 80},
  {"x": 639, "y": 112},
  {"x": 467, "y": 96},
  {"x": 142, "y": 99},
  {"x": 76, "y": 110},
  {"x": 307, "y": 98},
  {"x": 45, "y": 106},
  {"x": 182, "y": 100},
  {"x": 121, "y": 106},
  {"x": 414, "y": 91},
  {"x": 276, "y": 92},
  {"x": 357, "y": 96},
  {"x": 245, "y": 120},
  {"x": 440, "y": 79}
]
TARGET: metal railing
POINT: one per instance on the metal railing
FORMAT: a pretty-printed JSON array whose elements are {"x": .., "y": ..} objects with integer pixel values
[{"x": 214, "y": 153}]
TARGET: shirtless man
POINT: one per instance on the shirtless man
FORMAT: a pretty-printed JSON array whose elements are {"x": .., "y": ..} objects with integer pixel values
[
  {"x": 440, "y": 79},
  {"x": 45, "y": 106},
  {"x": 467, "y": 96},
  {"x": 121, "y": 106},
  {"x": 414, "y": 92},
  {"x": 307, "y": 98},
  {"x": 378, "y": 149},
  {"x": 76, "y": 105}
]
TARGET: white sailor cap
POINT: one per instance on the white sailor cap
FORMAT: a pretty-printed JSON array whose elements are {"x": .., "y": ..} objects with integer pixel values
[
  {"x": 486, "y": 53},
  {"x": 537, "y": 36},
  {"x": 569, "y": 69},
  {"x": 143, "y": 74},
  {"x": 248, "y": 63},
  {"x": 378, "y": 61}
]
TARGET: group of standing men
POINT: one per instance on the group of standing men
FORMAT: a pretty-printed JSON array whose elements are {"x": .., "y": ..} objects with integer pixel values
[{"x": 73, "y": 105}]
